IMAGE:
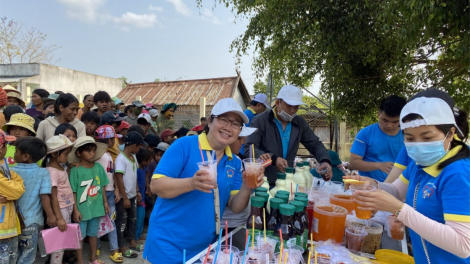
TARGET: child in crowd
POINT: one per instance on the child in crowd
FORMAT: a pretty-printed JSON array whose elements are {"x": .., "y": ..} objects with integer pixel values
[
  {"x": 144, "y": 120},
  {"x": 106, "y": 135},
  {"x": 144, "y": 156},
  {"x": 152, "y": 141},
  {"x": 67, "y": 130},
  {"x": 58, "y": 149},
  {"x": 88, "y": 179},
  {"x": 122, "y": 130},
  {"x": 109, "y": 118},
  {"x": 167, "y": 135},
  {"x": 11, "y": 189},
  {"x": 48, "y": 109},
  {"x": 91, "y": 120},
  {"x": 37, "y": 182},
  {"x": 101, "y": 100},
  {"x": 154, "y": 114},
  {"x": 157, "y": 156},
  {"x": 126, "y": 177},
  {"x": 19, "y": 126},
  {"x": 11, "y": 110}
]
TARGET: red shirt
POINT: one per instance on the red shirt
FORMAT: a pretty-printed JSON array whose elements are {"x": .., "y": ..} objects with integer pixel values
[{"x": 197, "y": 128}]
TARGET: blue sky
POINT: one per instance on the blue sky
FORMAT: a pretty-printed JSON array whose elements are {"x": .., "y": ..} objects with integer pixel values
[{"x": 140, "y": 39}]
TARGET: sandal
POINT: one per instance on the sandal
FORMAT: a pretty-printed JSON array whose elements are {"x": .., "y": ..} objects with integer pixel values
[
  {"x": 116, "y": 257},
  {"x": 97, "y": 255},
  {"x": 97, "y": 261},
  {"x": 130, "y": 254},
  {"x": 138, "y": 248}
]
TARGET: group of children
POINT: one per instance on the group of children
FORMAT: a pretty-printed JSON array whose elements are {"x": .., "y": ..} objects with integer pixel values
[{"x": 75, "y": 180}]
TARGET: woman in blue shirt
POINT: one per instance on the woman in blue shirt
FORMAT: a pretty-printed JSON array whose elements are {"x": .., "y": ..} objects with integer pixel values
[
  {"x": 435, "y": 187},
  {"x": 188, "y": 210}
]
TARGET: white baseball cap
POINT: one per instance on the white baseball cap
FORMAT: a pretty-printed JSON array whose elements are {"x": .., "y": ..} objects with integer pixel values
[
  {"x": 229, "y": 105},
  {"x": 262, "y": 98},
  {"x": 146, "y": 117},
  {"x": 434, "y": 111},
  {"x": 291, "y": 94},
  {"x": 246, "y": 131},
  {"x": 153, "y": 112}
]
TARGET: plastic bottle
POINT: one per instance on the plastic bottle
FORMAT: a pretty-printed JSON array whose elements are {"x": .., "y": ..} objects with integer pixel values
[
  {"x": 265, "y": 183},
  {"x": 308, "y": 175},
  {"x": 284, "y": 197},
  {"x": 299, "y": 177},
  {"x": 265, "y": 196},
  {"x": 280, "y": 184},
  {"x": 257, "y": 204},
  {"x": 275, "y": 216},
  {"x": 305, "y": 217},
  {"x": 290, "y": 183},
  {"x": 287, "y": 222},
  {"x": 300, "y": 228}
]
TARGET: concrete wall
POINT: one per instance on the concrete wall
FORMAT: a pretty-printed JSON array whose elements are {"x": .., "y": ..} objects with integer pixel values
[
  {"x": 239, "y": 98},
  {"x": 53, "y": 78}
]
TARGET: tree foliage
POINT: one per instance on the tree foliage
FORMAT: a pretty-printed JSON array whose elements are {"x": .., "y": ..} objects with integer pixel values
[
  {"x": 363, "y": 50},
  {"x": 124, "y": 81},
  {"x": 24, "y": 45}
]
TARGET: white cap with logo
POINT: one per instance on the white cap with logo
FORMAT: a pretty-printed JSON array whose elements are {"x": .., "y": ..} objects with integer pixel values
[
  {"x": 246, "y": 131},
  {"x": 291, "y": 94},
  {"x": 146, "y": 117},
  {"x": 434, "y": 111},
  {"x": 262, "y": 98},
  {"x": 229, "y": 105}
]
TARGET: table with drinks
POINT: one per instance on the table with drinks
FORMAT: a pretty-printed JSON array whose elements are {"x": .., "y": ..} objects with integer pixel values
[{"x": 307, "y": 220}]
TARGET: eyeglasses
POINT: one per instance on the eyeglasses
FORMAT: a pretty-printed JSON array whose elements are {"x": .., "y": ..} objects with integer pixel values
[{"x": 225, "y": 121}]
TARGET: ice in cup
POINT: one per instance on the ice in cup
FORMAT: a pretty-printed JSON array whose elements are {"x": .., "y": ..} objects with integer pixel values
[
  {"x": 211, "y": 167},
  {"x": 361, "y": 214},
  {"x": 269, "y": 245},
  {"x": 397, "y": 228},
  {"x": 253, "y": 169},
  {"x": 222, "y": 258},
  {"x": 355, "y": 238},
  {"x": 293, "y": 257}
]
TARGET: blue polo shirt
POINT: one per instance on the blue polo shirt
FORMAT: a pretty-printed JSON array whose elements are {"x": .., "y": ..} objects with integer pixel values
[
  {"x": 188, "y": 220},
  {"x": 285, "y": 135},
  {"x": 443, "y": 195},
  {"x": 373, "y": 145},
  {"x": 403, "y": 159}
]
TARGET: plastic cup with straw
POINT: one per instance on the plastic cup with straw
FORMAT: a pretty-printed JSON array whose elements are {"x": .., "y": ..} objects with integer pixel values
[
  {"x": 207, "y": 255},
  {"x": 218, "y": 245},
  {"x": 246, "y": 250},
  {"x": 285, "y": 257},
  {"x": 231, "y": 258}
]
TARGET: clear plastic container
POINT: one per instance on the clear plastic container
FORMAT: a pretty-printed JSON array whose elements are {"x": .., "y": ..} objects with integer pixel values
[
  {"x": 328, "y": 222},
  {"x": 355, "y": 238},
  {"x": 397, "y": 228},
  {"x": 343, "y": 200},
  {"x": 269, "y": 245},
  {"x": 374, "y": 234}
]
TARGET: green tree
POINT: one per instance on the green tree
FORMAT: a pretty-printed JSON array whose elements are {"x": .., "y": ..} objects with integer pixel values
[
  {"x": 363, "y": 50},
  {"x": 124, "y": 81}
]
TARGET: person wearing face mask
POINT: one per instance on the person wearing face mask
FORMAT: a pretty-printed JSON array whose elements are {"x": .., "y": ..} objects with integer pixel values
[
  {"x": 137, "y": 107},
  {"x": 435, "y": 186},
  {"x": 280, "y": 132},
  {"x": 166, "y": 120}
]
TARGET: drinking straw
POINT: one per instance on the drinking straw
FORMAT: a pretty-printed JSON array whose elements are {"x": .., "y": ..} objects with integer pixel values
[
  {"x": 230, "y": 242},
  {"x": 291, "y": 188},
  {"x": 264, "y": 223},
  {"x": 280, "y": 256},
  {"x": 253, "y": 151},
  {"x": 231, "y": 257},
  {"x": 316, "y": 257},
  {"x": 311, "y": 242},
  {"x": 296, "y": 188},
  {"x": 282, "y": 245},
  {"x": 253, "y": 232},
  {"x": 218, "y": 245},
  {"x": 184, "y": 256},
  {"x": 309, "y": 257},
  {"x": 207, "y": 255},
  {"x": 226, "y": 233},
  {"x": 246, "y": 237},
  {"x": 202, "y": 156},
  {"x": 285, "y": 257},
  {"x": 267, "y": 258},
  {"x": 246, "y": 249}
]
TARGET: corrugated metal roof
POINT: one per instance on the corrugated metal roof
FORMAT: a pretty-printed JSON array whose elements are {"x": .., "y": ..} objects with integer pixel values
[{"x": 184, "y": 92}]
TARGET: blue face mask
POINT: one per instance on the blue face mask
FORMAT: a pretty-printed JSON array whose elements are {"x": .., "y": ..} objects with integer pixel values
[{"x": 426, "y": 153}]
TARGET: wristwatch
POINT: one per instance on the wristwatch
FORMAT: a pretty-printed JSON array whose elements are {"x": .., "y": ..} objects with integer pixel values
[{"x": 397, "y": 212}]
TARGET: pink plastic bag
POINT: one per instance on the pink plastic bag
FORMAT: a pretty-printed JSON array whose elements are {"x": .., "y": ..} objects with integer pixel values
[
  {"x": 106, "y": 226},
  {"x": 55, "y": 240}
]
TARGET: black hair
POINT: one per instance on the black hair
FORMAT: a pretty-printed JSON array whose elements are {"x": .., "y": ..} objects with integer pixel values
[
  {"x": 143, "y": 155},
  {"x": 90, "y": 116},
  {"x": 41, "y": 92},
  {"x": 64, "y": 100},
  {"x": 182, "y": 132},
  {"x": 33, "y": 146},
  {"x": 392, "y": 105},
  {"x": 86, "y": 96},
  {"x": 158, "y": 151},
  {"x": 254, "y": 103},
  {"x": 152, "y": 140},
  {"x": 127, "y": 108},
  {"x": 203, "y": 119},
  {"x": 37, "y": 120},
  {"x": 142, "y": 122},
  {"x": 86, "y": 147},
  {"x": 47, "y": 104},
  {"x": 59, "y": 92},
  {"x": 11, "y": 110},
  {"x": 137, "y": 129},
  {"x": 463, "y": 125},
  {"x": 206, "y": 127},
  {"x": 101, "y": 96},
  {"x": 48, "y": 157},
  {"x": 60, "y": 129}
]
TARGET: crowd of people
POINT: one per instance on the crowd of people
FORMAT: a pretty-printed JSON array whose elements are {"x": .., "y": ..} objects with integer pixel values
[{"x": 66, "y": 161}]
